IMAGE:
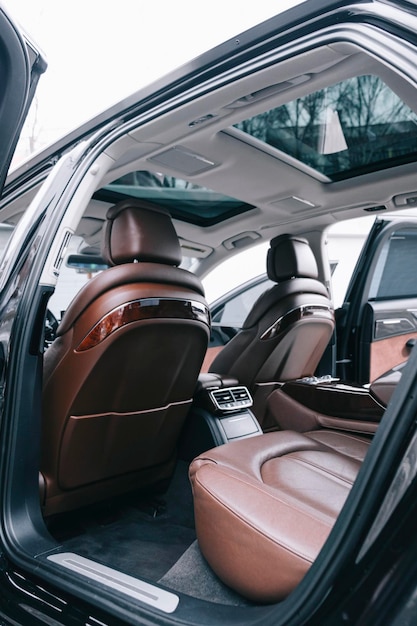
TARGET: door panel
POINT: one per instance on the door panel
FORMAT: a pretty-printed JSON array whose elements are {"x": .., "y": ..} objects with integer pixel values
[
  {"x": 388, "y": 353},
  {"x": 393, "y": 335},
  {"x": 379, "y": 325}
]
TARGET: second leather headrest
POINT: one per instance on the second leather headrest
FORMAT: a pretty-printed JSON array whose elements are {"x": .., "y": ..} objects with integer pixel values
[{"x": 290, "y": 257}]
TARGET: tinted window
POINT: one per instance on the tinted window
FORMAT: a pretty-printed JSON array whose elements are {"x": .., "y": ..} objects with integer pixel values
[
  {"x": 235, "y": 310},
  {"x": 396, "y": 272},
  {"x": 353, "y": 127},
  {"x": 185, "y": 201}
]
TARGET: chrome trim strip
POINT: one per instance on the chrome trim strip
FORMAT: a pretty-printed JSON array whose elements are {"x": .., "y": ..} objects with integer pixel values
[{"x": 117, "y": 581}]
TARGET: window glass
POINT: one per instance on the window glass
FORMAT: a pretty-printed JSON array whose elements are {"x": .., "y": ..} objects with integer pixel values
[
  {"x": 6, "y": 232},
  {"x": 236, "y": 309},
  {"x": 395, "y": 275},
  {"x": 345, "y": 241},
  {"x": 185, "y": 201},
  {"x": 353, "y": 127}
]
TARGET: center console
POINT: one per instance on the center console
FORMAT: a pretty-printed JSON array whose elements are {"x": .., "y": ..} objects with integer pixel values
[
  {"x": 223, "y": 410},
  {"x": 221, "y": 413}
]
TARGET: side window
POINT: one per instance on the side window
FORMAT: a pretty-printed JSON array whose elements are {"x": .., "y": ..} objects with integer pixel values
[
  {"x": 6, "y": 232},
  {"x": 395, "y": 275},
  {"x": 381, "y": 328},
  {"x": 75, "y": 273},
  {"x": 345, "y": 242},
  {"x": 235, "y": 310}
]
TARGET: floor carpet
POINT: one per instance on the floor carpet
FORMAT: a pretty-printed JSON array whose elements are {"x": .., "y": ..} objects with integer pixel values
[
  {"x": 149, "y": 538},
  {"x": 138, "y": 535}
]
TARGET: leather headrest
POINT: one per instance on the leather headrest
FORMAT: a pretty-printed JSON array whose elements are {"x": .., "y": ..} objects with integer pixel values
[
  {"x": 289, "y": 257},
  {"x": 137, "y": 230}
]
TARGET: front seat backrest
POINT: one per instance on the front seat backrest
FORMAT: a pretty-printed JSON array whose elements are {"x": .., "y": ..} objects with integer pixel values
[
  {"x": 120, "y": 375},
  {"x": 289, "y": 326}
]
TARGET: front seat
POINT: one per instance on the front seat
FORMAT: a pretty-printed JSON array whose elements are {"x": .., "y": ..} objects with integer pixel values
[
  {"x": 120, "y": 375},
  {"x": 286, "y": 333}
]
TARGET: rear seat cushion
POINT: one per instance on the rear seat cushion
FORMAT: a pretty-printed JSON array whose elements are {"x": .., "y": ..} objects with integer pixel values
[{"x": 265, "y": 505}]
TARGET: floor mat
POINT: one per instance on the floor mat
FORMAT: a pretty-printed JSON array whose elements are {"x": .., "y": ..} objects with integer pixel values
[
  {"x": 192, "y": 575},
  {"x": 142, "y": 537}
]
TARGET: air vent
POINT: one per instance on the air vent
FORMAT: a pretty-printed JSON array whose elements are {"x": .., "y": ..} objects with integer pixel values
[{"x": 231, "y": 399}]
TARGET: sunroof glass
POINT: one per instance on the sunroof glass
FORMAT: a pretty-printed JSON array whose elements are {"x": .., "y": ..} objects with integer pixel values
[
  {"x": 353, "y": 127},
  {"x": 184, "y": 200}
]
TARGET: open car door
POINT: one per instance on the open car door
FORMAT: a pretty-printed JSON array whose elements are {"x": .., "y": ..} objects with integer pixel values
[
  {"x": 377, "y": 324},
  {"x": 21, "y": 64}
]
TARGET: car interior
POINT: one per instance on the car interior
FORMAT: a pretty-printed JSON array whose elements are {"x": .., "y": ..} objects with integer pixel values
[{"x": 153, "y": 469}]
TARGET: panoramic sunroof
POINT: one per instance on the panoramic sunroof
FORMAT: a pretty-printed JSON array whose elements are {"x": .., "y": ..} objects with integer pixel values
[
  {"x": 184, "y": 200},
  {"x": 353, "y": 127}
]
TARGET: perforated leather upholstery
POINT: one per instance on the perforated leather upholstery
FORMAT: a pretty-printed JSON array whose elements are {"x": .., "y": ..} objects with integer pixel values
[
  {"x": 120, "y": 375},
  {"x": 265, "y": 505}
]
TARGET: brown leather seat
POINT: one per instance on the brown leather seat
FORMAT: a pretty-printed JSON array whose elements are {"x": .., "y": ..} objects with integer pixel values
[
  {"x": 287, "y": 331},
  {"x": 120, "y": 375},
  {"x": 265, "y": 505}
]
